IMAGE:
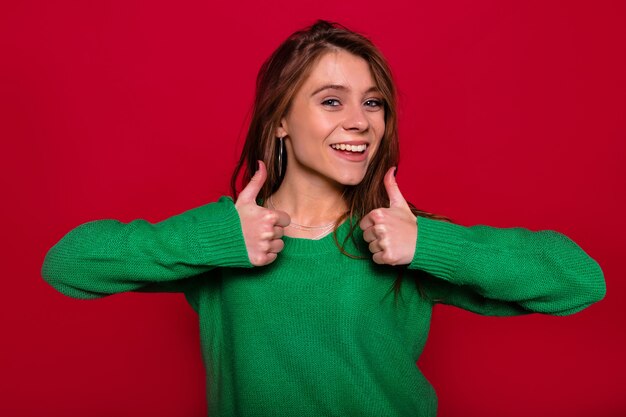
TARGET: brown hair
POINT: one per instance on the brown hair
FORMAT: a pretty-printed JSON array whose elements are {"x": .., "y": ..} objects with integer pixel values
[{"x": 280, "y": 77}]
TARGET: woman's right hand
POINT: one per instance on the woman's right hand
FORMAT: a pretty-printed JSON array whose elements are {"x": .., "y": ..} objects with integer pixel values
[{"x": 262, "y": 227}]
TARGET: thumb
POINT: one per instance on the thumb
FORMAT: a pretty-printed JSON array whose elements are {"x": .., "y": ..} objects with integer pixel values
[
  {"x": 393, "y": 191},
  {"x": 249, "y": 193}
]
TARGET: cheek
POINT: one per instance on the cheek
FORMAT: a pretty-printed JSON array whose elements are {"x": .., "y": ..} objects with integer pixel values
[
  {"x": 313, "y": 129},
  {"x": 380, "y": 123},
  {"x": 379, "y": 132},
  {"x": 374, "y": 152}
]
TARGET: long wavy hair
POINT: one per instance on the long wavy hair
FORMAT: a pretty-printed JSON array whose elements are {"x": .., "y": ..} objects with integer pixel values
[{"x": 278, "y": 80}]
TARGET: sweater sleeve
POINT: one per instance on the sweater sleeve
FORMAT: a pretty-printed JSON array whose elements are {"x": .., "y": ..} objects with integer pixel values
[
  {"x": 106, "y": 257},
  {"x": 496, "y": 271}
]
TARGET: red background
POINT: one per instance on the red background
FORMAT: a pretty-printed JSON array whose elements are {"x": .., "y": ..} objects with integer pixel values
[{"x": 512, "y": 114}]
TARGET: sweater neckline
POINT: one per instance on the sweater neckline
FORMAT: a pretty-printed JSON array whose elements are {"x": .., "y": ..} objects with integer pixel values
[{"x": 299, "y": 245}]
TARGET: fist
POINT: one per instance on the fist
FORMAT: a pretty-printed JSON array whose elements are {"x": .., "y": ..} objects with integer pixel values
[
  {"x": 391, "y": 232},
  {"x": 262, "y": 228}
]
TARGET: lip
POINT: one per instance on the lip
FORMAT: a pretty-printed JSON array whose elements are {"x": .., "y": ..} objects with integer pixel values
[
  {"x": 352, "y": 142},
  {"x": 351, "y": 156}
]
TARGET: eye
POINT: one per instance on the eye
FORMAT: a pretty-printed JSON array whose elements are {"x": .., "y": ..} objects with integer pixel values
[
  {"x": 331, "y": 102},
  {"x": 373, "y": 103}
]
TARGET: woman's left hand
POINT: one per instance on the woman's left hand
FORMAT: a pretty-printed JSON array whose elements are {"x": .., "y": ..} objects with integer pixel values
[{"x": 391, "y": 232}]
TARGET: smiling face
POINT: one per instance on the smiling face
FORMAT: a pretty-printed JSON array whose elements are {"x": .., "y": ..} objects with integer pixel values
[{"x": 335, "y": 122}]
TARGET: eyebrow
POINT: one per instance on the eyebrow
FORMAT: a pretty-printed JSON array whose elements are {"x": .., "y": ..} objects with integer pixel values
[{"x": 341, "y": 88}]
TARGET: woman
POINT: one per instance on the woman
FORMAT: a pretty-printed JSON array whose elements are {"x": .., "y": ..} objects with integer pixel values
[{"x": 292, "y": 281}]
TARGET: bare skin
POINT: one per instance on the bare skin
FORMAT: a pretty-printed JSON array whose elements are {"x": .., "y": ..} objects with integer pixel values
[
  {"x": 331, "y": 132},
  {"x": 391, "y": 232},
  {"x": 262, "y": 228},
  {"x": 337, "y": 104}
]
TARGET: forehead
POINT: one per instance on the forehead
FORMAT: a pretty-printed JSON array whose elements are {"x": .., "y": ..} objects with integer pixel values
[{"x": 339, "y": 67}]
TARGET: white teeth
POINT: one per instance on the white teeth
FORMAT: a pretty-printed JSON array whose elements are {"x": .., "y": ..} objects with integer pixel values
[{"x": 350, "y": 148}]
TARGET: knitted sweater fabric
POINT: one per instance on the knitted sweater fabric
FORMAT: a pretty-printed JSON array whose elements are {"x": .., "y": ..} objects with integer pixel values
[{"x": 317, "y": 332}]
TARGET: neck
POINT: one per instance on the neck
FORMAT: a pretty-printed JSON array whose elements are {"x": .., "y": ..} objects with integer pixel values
[{"x": 314, "y": 204}]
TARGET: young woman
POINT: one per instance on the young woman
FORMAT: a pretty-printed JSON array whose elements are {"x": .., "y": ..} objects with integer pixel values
[{"x": 314, "y": 286}]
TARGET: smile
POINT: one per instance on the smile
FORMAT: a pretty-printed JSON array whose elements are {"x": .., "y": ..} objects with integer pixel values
[{"x": 349, "y": 148}]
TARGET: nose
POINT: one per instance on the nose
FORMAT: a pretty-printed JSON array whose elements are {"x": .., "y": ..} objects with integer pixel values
[{"x": 355, "y": 119}]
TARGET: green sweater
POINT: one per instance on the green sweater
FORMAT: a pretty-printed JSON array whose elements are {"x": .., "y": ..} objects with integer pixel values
[{"x": 317, "y": 332}]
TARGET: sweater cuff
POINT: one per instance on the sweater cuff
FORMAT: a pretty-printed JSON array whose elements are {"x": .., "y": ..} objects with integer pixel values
[
  {"x": 220, "y": 237},
  {"x": 438, "y": 248}
]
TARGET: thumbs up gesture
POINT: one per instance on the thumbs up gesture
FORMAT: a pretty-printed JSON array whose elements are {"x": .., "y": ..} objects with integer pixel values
[
  {"x": 391, "y": 232},
  {"x": 262, "y": 228}
]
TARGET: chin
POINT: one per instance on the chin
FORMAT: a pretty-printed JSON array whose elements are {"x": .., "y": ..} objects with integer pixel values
[{"x": 351, "y": 179}]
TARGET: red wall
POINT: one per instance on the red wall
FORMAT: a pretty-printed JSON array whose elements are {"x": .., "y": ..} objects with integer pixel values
[{"x": 513, "y": 114}]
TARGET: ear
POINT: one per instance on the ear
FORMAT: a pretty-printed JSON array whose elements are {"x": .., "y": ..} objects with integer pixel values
[{"x": 281, "y": 130}]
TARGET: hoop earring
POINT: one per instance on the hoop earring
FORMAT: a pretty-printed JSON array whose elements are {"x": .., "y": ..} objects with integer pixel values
[{"x": 282, "y": 157}]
